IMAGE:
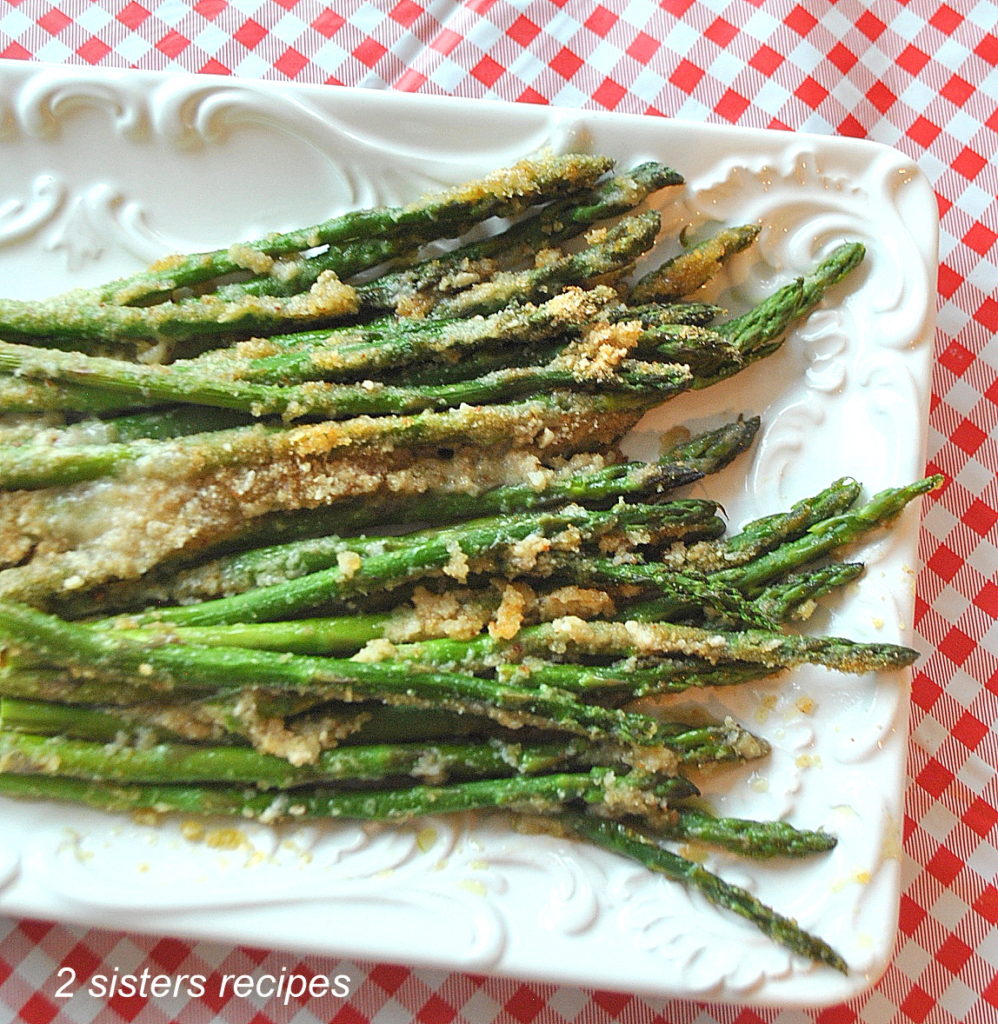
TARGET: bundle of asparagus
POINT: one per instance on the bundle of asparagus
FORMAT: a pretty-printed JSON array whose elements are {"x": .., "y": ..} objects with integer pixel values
[{"x": 192, "y": 618}]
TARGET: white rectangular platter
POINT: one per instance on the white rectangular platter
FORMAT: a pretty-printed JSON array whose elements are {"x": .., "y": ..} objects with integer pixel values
[{"x": 106, "y": 170}]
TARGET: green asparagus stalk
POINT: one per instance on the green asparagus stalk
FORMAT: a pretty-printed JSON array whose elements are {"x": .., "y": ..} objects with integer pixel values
[
  {"x": 716, "y": 744},
  {"x": 593, "y": 488},
  {"x": 438, "y": 551},
  {"x": 52, "y": 702},
  {"x": 241, "y": 571},
  {"x": 629, "y": 842},
  {"x": 443, "y": 350},
  {"x": 705, "y": 350},
  {"x": 667, "y": 521},
  {"x": 362, "y": 352},
  {"x": 627, "y": 680},
  {"x": 77, "y": 721},
  {"x": 157, "y": 425},
  {"x": 688, "y": 745},
  {"x": 760, "y": 839},
  {"x": 503, "y": 424},
  {"x": 295, "y": 272},
  {"x": 75, "y": 323},
  {"x": 790, "y": 598},
  {"x": 174, "y": 763},
  {"x": 56, "y": 685},
  {"x": 502, "y": 193},
  {"x": 37, "y": 466},
  {"x": 760, "y": 561},
  {"x": 396, "y": 733},
  {"x": 332, "y": 401},
  {"x": 537, "y": 793},
  {"x": 555, "y": 223},
  {"x": 759, "y": 330},
  {"x": 575, "y": 638},
  {"x": 337, "y": 635},
  {"x": 710, "y": 451},
  {"x": 769, "y": 648},
  {"x": 693, "y": 268},
  {"x": 381, "y": 723},
  {"x": 672, "y": 334},
  {"x": 794, "y": 596},
  {"x": 679, "y": 594},
  {"x": 704, "y": 454},
  {"x": 176, "y": 667},
  {"x": 612, "y": 255},
  {"x": 733, "y": 562},
  {"x": 659, "y": 314},
  {"x": 762, "y": 535},
  {"x": 20, "y": 395},
  {"x": 475, "y": 364},
  {"x": 825, "y": 536}
]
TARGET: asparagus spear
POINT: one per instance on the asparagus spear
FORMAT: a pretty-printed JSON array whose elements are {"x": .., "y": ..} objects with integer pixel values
[
  {"x": 666, "y": 343},
  {"x": 235, "y": 573},
  {"x": 157, "y": 425},
  {"x": 693, "y": 268},
  {"x": 76, "y": 323},
  {"x": 758, "y": 331},
  {"x": 537, "y": 793},
  {"x": 296, "y": 272},
  {"x": 179, "y": 666},
  {"x": 340, "y": 635},
  {"x": 637, "y": 481},
  {"x": 762, "y": 535},
  {"x": 699, "y": 745},
  {"x": 77, "y": 721},
  {"x": 690, "y": 594},
  {"x": 555, "y": 223},
  {"x": 576, "y": 638},
  {"x": 613, "y": 254},
  {"x": 705, "y": 350},
  {"x": 629, "y": 842},
  {"x": 769, "y": 648},
  {"x": 46, "y": 683},
  {"x": 345, "y": 354},
  {"x": 475, "y": 364},
  {"x": 825, "y": 536},
  {"x": 761, "y": 839},
  {"x": 384, "y": 739},
  {"x": 593, "y": 488},
  {"x": 659, "y": 314},
  {"x": 794, "y": 596},
  {"x": 31, "y": 467},
  {"x": 173, "y": 762},
  {"x": 433, "y": 552},
  {"x": 622, "y": 680},
  {"x": 504, "y": 424},
  {"x": 791, "y": 597},
  {"x": 715, "y": 744},
  {"x": 501, "y": 193},
  {"x": 704, "y": 453},
  {"x": 760, "y": 560},
  {"x": 629, "y": 678},
  {"x": 680, "y": 594},
  {"x": 441, "y": 350},
  {"x": 712, "y": 450},
  {"x": 21, "y": 395},
  {"x": 333, "y": 401}
]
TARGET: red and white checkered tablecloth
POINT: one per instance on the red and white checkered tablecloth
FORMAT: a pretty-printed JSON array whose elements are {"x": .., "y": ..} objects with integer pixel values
[{"x": 919, "y": 75}]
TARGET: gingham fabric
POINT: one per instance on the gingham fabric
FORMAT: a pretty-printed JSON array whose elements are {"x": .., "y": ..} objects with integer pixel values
[{"x": 920, "y": 76}]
